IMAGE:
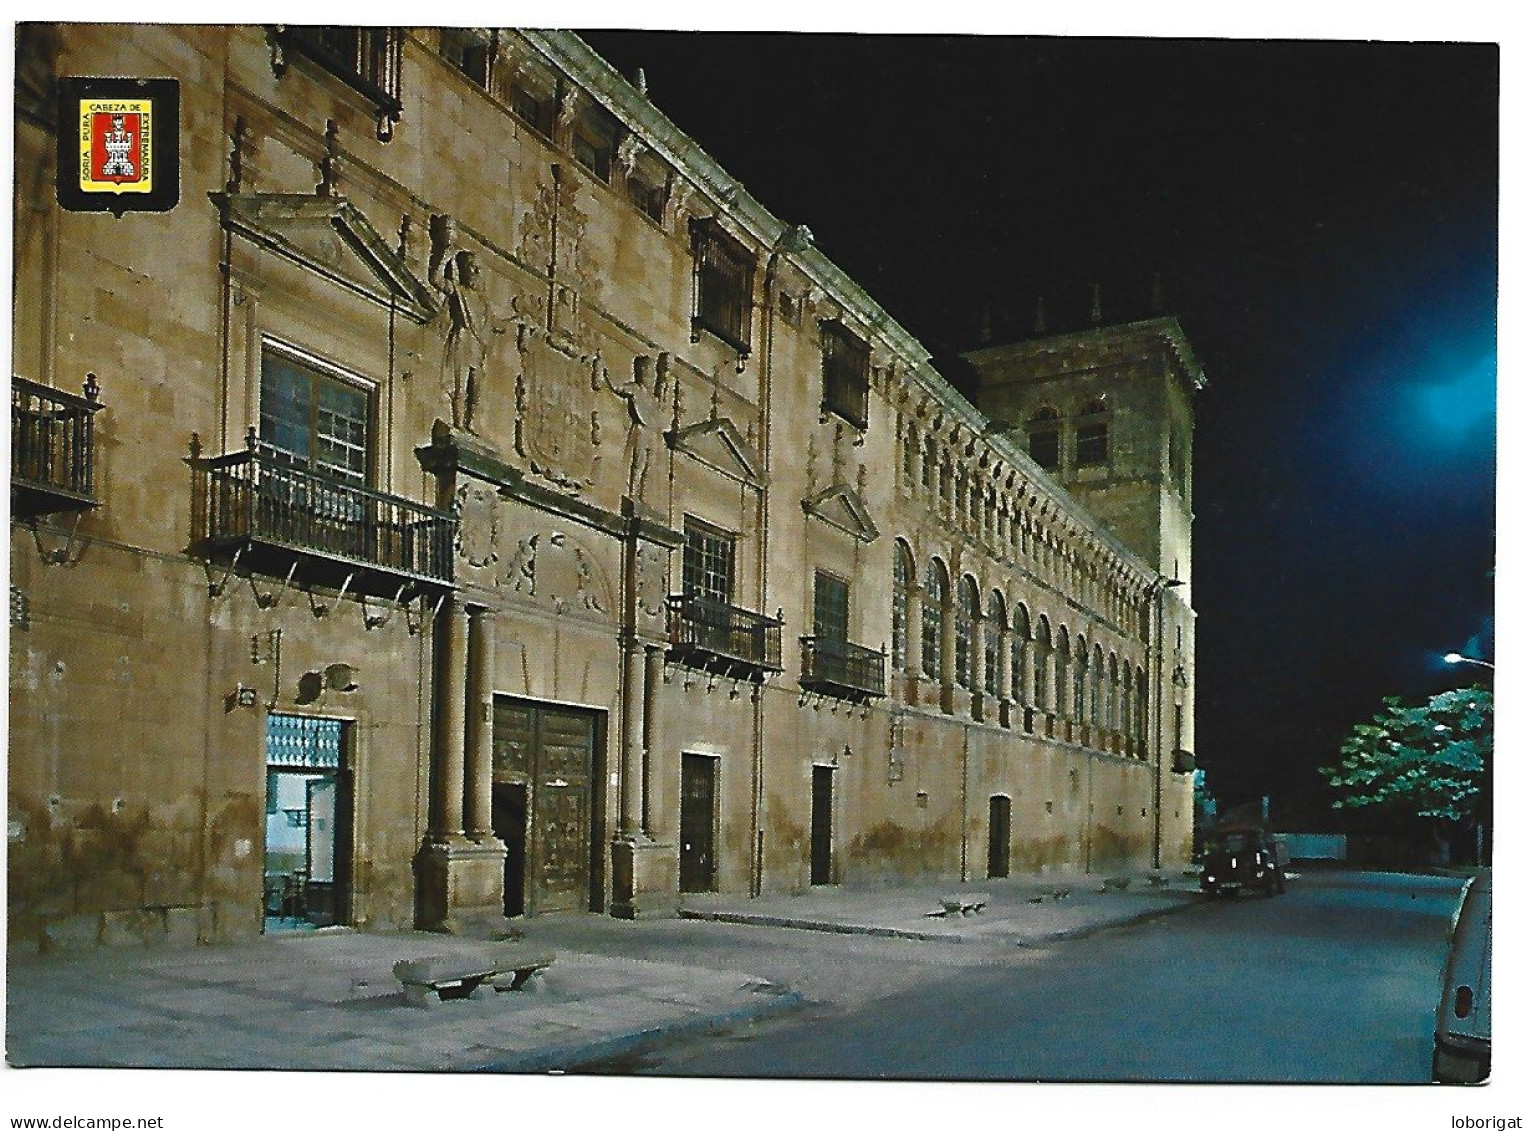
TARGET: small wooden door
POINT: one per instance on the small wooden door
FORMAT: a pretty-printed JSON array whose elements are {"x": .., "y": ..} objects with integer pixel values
[
  {"x": 699, "y": 788},
  {"x": 999, "y": 837},
  {"x": 819, "y": 825}
]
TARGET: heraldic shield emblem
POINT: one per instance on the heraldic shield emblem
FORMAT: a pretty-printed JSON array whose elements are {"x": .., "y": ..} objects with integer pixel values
[{"x": 122, "y": 151}]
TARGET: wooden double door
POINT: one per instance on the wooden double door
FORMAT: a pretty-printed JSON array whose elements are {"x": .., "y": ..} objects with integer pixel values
[{"x": 546, "y": 801}]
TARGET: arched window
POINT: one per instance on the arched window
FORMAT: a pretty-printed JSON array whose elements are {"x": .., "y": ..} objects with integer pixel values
[
  {"x": 904, "y": 579},
  {"x": 1113, "y": 694},
  {"x": 1081, "y": 661},
  {"x": 944, "y": 487},
  {"x": 1041, "y": 664},
  {"x": 932, "y": 610},
  {"x": 966, "y": 628},
  {"x": 1091, "y": 440},
  {"x": 993, "y": 623},
  {"x": 911, "y": 456},
  {"x": 1021, "y": 631},
  {"x": 1061, "y": 693},
  {"x": 928, "y": 464},
  {"x": 962, "y": 491},
  {"x": 1097, "y": 705},
  {"x": 1043, "y": 438}
]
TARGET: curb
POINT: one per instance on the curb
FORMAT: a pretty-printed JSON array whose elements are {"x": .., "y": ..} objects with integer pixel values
[
  {"x": 1091, "y": 928},
  {"x": 574, "y": 1058},
  {"x": 814, "y": 925}
]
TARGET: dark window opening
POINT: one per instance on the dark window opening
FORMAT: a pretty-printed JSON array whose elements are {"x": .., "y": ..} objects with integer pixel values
[
  {"x": 594, "y": 156},
  {"x": 365, "y": 58},
  {"x": 1091, "y": 439},
  {"x": 470, "y": 53},
  {"x": 846, "y": 362},
  {"x": 648, "y": 199},
  {"x": 723, "y": 281},
  {"x": 1043, "y": 438},
  {"x": 535, "y": 112}
]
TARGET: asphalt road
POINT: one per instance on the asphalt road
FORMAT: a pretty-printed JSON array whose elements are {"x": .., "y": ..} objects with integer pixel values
[{"x": 1336, "y": 981}]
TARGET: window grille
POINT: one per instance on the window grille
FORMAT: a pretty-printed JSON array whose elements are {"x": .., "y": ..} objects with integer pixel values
[
  {"x": 846, "y": 362},
  {"x": 707, "y": 564},
  {"x": 723, "y": 280},
  {"x": 368, "y": 59}
]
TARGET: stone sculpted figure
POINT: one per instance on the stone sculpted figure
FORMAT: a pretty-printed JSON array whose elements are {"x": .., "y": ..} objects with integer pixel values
[
  {"x": 454, "y": 272},
  {"x": 645, "y": 395}
]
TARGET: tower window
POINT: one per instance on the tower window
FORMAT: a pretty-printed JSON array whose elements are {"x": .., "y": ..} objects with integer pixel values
[
  {"x": 1091, "y": 436},
  {"x": 1043, "y": 438}
]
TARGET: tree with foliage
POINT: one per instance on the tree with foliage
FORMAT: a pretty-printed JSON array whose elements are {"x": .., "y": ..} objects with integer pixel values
[{"x": 1425, "y": 762}]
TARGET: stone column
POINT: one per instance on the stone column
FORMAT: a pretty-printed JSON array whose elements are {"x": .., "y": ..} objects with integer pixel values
[
  {"x": 447, "y": 746},
  {"x": 481, "y": 716},
  {"x": 654, "y": 672},
  {"x": 632, "y": 735},
  {"x": 1003, "y": 671}
]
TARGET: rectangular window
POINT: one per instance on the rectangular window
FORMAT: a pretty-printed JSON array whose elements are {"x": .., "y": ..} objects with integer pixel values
[
  {"x": 832, "y": 602},
  {"x": 470, "y": 52},
  {"x": 723, "y": 283},
  {"x": 318, "y": 419},
  {"x": 365, "y": 58},
  {"x": 707, "y": 564},
  {"x": 1090, "y": 445},
  {"x": 648, "y": 199},
  {"x": 846, "y": 362},
  {"x": 594, "y": 156},
  {"x": 535, "y": 112}
]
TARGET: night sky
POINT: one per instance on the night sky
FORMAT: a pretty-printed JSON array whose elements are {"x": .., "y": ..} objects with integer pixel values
[{"x": 1322, "y": 217}]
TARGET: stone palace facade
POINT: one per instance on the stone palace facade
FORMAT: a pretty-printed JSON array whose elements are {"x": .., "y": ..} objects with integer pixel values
[{"x": 468, "y": 501}]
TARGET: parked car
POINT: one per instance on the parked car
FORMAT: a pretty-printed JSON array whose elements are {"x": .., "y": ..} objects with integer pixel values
[
  {"x": 1244, "y": 858},
  {"x": 1462, "y": 1016}
]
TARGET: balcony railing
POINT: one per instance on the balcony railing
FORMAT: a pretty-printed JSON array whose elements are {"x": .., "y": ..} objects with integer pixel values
[
  {"x": 841, "y": 670},
  {"x": 258, "y": 504},
  {"x": 52, "y": 448},
  {"x": 723, "y": 639}
]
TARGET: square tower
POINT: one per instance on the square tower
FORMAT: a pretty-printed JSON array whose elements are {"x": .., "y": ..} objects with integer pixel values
[{"x": 1108, "y": 413}]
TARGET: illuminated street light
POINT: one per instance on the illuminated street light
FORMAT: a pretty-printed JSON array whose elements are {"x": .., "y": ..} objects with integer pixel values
[{"x": 1459, "y": 658}]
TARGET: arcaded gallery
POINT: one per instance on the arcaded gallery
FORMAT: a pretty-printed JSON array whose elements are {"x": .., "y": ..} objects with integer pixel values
[{"x": 466, "y": 501}]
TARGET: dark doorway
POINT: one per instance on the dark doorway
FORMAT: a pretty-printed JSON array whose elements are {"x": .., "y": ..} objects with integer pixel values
[
  {"x": 699, "y": 789},
  {"x": 508, "y": 815},
  {"x": 819, "y": 826},
  {"x": 548, "y": 754},
  {"x": 307, "y": 841},
  {"x": 999, "y": 837}
]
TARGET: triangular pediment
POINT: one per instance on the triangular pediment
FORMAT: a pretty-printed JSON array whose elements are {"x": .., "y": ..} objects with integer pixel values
[
  {"x": 842, "y": 508},
  {"x": 718, "y": 444},
  {"x": 331, "y": 236}
]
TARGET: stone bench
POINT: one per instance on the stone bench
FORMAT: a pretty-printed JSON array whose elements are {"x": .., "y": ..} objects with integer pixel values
[
  {"x": 432, "y": 979},
  {"x": 970, "y": 904}
]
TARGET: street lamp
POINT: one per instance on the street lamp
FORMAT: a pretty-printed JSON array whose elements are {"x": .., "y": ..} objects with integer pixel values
[{"x": 1459, "y": 658}]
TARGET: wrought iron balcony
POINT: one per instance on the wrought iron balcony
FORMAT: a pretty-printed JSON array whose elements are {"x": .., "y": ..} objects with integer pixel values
[
  {"x": 841, "y": 670},
  {"x": 52, "y": 448},
  {"x": 723, "y": 639},
  {"x": 283, "y": 520}
]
